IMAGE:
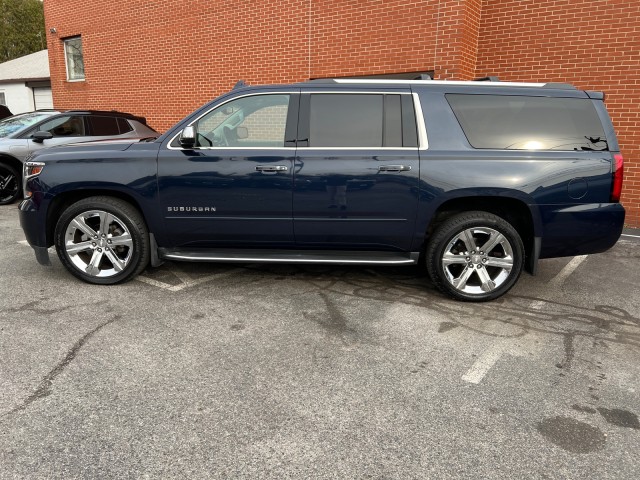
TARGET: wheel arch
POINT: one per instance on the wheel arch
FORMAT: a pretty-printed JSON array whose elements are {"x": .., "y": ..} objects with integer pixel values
[
  {"x": 63, "y": 200},
  {"x": 12, "y": 161},
  {"x": 523, "y": 216}
]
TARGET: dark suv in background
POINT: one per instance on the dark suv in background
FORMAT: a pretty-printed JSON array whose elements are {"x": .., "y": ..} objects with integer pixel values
[
  {"x": 23, "y": 134},
  {"x": 478, "y": 180}
]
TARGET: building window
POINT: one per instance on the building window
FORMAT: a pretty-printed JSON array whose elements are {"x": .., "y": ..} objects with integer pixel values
[
  {"x": 3, "y": 100},
  {"x": 74, "y": 59}
]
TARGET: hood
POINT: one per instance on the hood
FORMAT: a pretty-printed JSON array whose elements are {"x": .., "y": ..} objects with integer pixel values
[{"x": 92, "y": 147}]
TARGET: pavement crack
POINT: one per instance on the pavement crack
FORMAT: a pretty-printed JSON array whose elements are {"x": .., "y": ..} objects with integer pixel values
[{"x": 44, "y": 388}]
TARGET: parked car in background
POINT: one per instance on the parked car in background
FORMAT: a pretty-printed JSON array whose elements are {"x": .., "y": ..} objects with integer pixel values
[
  {"x": 476, "y": 180},
  {"x": 21, "y": 135}
]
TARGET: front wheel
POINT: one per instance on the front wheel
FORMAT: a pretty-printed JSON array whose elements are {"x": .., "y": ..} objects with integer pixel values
[
  {"x": 102, "y": 240},
  {"x": 10, "y": 184},
  {"x": 475, "y": 256}
]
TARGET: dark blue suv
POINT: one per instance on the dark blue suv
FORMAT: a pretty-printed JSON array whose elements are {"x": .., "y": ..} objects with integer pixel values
[{"x": 478, "y": 180}]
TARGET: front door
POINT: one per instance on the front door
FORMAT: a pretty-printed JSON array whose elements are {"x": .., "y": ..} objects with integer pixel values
[{"x": 234, "y": 188}]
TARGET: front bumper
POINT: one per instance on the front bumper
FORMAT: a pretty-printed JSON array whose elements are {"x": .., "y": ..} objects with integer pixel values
[{"x": 34, "y": 227}]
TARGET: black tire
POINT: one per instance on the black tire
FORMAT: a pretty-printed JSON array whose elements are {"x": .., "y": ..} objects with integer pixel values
[
  {"x": 118, "y": 256},
  {"x": 10, "y": 184},
  {"x": 479, "y": 276}
]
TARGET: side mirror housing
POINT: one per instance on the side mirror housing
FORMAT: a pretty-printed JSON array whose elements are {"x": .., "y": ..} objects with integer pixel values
[
  {"x": 41, "y": 136},
  {"x": 188, "y": 137}
]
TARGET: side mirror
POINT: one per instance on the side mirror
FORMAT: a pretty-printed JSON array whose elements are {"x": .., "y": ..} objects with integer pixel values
[
  {"x": 242, "y": 132},
  {"x": 188, "y": 137},
  {"x": 41, "y": 136}
]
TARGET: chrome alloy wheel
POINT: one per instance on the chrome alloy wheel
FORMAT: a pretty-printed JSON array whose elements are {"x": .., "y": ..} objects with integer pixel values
[
  {"x": 9, "y": 185},
  {"x": 98, "y": 243},
  {"x": 477, "y": 260}
]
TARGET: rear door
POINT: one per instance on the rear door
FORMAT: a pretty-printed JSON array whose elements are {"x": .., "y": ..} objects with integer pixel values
[{"x": 356, "y": 178}]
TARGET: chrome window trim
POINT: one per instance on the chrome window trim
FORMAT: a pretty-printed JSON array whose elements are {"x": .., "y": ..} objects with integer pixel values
[
  {"x": 423, "y": 141},
  {"x": 252, "y": 94},
  {"x": 407, "y": 149},
  {"x": 422, "y": 136}
]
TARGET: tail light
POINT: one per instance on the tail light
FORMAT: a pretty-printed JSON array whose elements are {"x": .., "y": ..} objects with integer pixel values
[
  {"x": 618, "y": 173},
  {"x": 30, "y": 170}
]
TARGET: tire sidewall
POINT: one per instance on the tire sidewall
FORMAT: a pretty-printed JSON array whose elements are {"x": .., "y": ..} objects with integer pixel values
[
  {"x": 18, "y": 180},
  {"x": 123, "y": 215},
  {"x": 451, "y": 229}
]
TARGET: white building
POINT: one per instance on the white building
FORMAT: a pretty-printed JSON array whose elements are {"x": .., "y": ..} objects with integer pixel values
[{"x": 25, "y": 84}]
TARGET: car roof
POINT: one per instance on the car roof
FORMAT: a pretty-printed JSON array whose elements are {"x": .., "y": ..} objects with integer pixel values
[{"x": 107, "y": 113}]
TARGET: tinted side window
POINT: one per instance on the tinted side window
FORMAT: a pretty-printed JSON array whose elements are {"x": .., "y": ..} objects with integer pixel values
[
  {"x": 124, "y": 126},
  {"x": 343, "y": 120},
  {"x": 66, "y": 126},
  {"x": 104, "y": 126},
  {"x": 528, "y": 123}
]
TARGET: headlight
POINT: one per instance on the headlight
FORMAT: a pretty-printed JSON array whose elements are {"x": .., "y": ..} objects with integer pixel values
[{"x": 30, "y": 170}]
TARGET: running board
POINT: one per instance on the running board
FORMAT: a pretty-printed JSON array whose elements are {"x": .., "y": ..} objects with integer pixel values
[{"x": 291, "y": 256}]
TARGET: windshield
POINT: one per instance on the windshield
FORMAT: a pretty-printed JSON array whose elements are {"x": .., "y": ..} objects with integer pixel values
[{"x": 20, "y": 122}]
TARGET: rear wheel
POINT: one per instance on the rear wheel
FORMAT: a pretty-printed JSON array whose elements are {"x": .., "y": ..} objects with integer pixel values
[
  {"x": 10, "y": 184},
  {"x": 475, "y": 256},
  {"x": 102, "y": 240}
]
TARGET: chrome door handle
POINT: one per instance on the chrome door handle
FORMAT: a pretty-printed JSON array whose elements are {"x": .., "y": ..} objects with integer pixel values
[
  {"x": 271, "y": 168},
  {"x": 394, "y": 168}
]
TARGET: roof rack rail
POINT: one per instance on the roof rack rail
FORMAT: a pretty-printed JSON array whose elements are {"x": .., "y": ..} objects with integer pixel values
[
  {"x": 486, "y": 79},
  {"x": 559, "y": 85}
]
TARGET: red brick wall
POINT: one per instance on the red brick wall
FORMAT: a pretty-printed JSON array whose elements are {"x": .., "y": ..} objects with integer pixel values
[
  {"x": 593, "y": 44},
  {"x": 163, "y": 59}
]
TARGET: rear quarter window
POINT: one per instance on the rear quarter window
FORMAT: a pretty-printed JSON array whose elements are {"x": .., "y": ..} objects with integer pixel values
[{"x": 514, "y": 122}]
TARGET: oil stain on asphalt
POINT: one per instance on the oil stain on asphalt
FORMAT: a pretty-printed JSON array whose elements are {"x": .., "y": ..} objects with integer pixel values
[{"x": 572, "y": 435}]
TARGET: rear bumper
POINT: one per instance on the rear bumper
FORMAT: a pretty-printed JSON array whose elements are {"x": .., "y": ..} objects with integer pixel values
[
  {"x": 580, "y": 229},
  {"x": 34, "y": 227}
]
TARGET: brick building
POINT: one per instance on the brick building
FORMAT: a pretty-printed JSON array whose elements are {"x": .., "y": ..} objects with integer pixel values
[{"x": 164, "y": 58}]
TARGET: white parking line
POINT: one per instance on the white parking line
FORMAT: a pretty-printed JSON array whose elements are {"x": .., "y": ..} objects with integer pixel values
[
  {"x": 627, "y": 235},
  {"x": 487, "y": 360},
  {"x": 493, "y": 353},
  {"x": 185, "y": 279},
  {"x": 568, "y": 269},
  {"x": 187, "y": 282}
]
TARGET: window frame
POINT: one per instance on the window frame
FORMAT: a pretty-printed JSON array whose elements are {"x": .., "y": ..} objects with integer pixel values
[
  {"x": 65, "y": 41},
  {"x": 290, "y": 122},
  {"x": 85, "y": 125},
  {"x": 297, "y": 117},
  {"x": 469, "y": 135},
  {"x": 421, "y": 134}
]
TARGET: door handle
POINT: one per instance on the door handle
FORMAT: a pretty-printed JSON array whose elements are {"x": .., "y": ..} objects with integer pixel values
[
  {"x": 394, "y": 168},
  {"x": 271, "y": 168}
]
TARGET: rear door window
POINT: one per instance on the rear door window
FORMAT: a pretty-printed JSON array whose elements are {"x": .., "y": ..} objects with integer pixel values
[
  {"x": 528, "y": 123},
  {"x": 104, "y": 126},
  {"x": 354, "y": 120},
  {"x": 345, "y": 120}
]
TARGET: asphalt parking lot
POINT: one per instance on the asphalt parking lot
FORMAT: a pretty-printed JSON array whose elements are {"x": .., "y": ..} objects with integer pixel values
[{"x": 250, "y": 371}]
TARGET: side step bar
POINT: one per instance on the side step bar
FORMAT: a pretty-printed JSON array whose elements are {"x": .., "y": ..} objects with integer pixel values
[{"x": 337, "y": 257}]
